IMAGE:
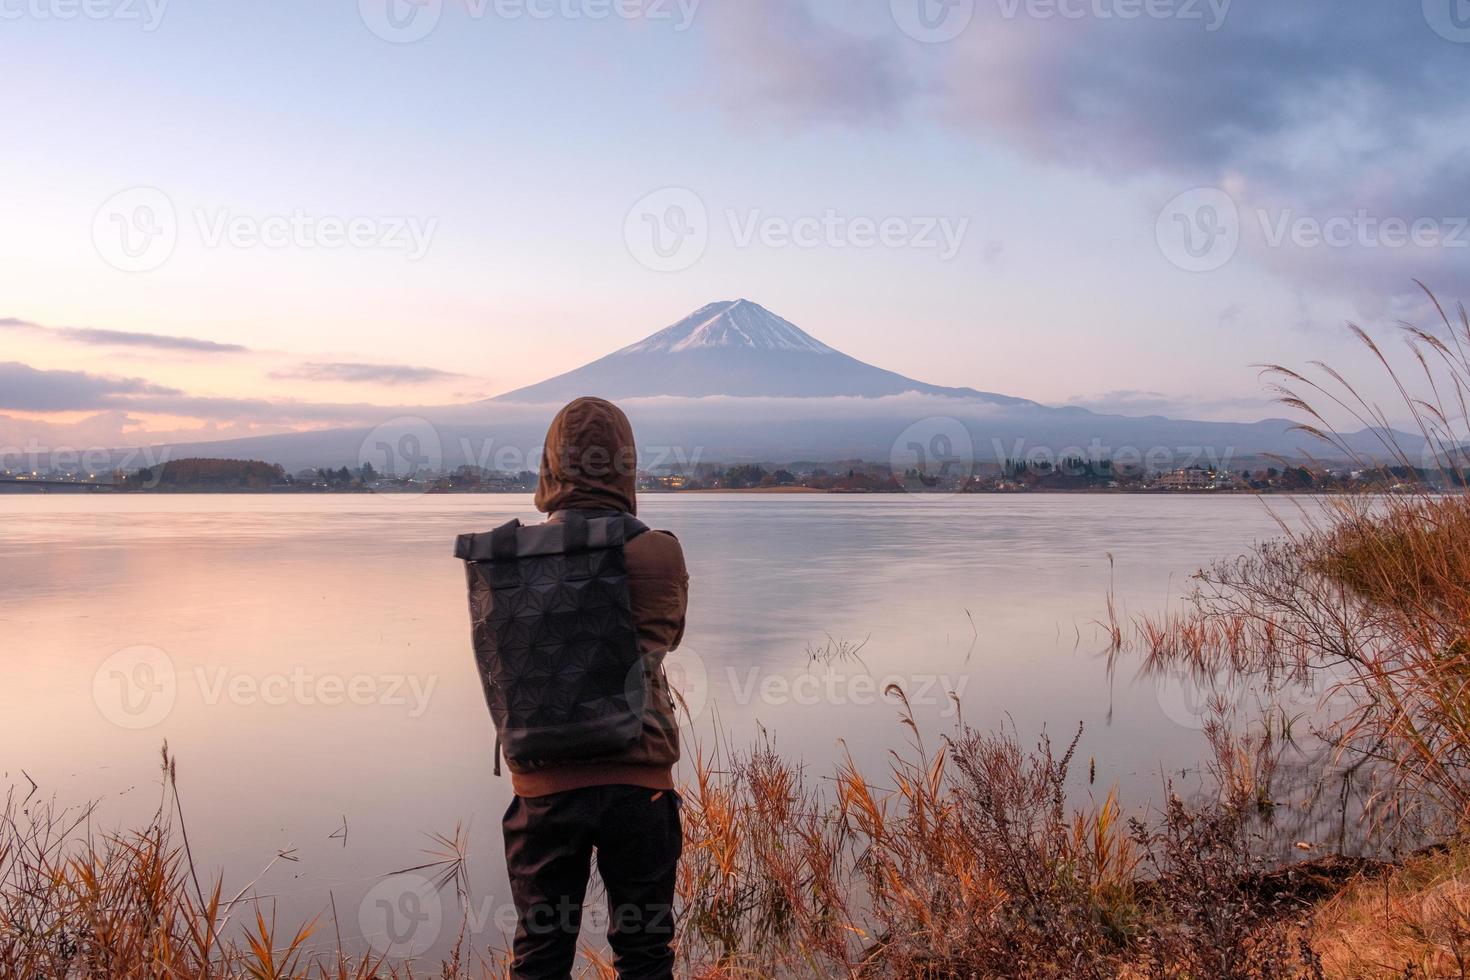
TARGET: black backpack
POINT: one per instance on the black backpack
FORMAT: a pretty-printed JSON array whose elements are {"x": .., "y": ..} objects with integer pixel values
[{"x": 554, "y": 636}]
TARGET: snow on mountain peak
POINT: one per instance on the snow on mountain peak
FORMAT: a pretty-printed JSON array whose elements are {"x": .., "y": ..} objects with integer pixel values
[{"x": 731, "y": 323}]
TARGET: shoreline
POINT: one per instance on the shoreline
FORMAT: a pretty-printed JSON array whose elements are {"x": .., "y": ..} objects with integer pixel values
[{"x": 102, "y": 488}]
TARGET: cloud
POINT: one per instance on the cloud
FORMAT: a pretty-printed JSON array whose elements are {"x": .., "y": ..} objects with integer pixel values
[
  {"x": 1303, "y": 112},
  {"x": 27, "y": 389},
  {"x": 124, "y": 338},
  {"x": 1124, "y": 95},
  {"x": 388, "y": 374},
  {"x": 777, "y": 55},
  {"x": 1138, "y": 403},
  {"x": 1312, "y": 111},
  {"x": 24, "y": 388},
  {"x": 1281, "y": 92},
  {"x": 263, "y": 411},
  {"x": 29, "y": 443}
]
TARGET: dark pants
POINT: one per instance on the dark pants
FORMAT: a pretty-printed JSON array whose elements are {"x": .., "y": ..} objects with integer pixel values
[{"x": 549, "y": 842}]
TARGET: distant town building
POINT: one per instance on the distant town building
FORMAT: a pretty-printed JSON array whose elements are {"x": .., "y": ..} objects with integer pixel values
[{"x": 1192, "y": 478}]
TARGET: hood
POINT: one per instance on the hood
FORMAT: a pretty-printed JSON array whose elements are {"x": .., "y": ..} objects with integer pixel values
[{"x": 589, "y": 460}]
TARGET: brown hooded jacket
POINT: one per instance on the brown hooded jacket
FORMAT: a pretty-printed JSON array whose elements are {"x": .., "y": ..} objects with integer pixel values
[{"x": 590, "y": 463}]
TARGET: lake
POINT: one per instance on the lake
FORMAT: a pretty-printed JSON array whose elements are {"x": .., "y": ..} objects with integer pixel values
[{"x": 307, "y": 658}]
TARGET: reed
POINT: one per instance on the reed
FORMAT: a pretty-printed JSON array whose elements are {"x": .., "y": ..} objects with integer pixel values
[
  {"x": 963, "y": 860},
  {"x": 78, "y": 903},
  {"x": 1368, "y": 601}
]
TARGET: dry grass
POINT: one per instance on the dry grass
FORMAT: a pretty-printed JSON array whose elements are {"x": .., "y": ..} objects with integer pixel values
[
  {"x": 964, "y": 861},
  {"x": 1368, "y": 602},
  {"x": 74, "y": 903},
  {"x": 1412, "y": 922},
  {"x": 967, "y": 861}
]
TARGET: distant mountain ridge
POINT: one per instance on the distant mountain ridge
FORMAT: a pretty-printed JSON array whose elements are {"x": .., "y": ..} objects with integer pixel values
[
  {"x": 735, "y": 348},
  {"x": 735, "y": 382}
]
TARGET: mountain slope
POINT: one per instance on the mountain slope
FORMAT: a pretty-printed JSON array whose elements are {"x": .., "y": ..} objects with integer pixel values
[
  {"x": 833, "y": 407},
  {"x": 739, "y": 348}
]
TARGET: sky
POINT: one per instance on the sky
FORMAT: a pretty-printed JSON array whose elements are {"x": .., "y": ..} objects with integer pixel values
[{"x": 224, "y": 219}]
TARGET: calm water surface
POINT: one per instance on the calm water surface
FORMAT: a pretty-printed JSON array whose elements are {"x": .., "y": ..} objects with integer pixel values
[{"x": 307, "y": 658}]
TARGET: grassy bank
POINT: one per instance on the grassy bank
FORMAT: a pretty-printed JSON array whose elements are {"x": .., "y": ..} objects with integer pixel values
[{"x": 963, "y": 861}]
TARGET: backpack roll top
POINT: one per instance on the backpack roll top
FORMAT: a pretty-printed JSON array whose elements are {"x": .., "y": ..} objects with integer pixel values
[
  {"x": 575, "y": 534},
  {"x": 554, "y": 637}
]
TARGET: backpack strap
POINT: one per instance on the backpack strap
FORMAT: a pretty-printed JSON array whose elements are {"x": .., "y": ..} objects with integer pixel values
[
  {"x": 575, "y": 533},
  {"x": 632, "y": 527},
  {"x": 577, "y": 530},
  {"x": 503, "y": 541}
]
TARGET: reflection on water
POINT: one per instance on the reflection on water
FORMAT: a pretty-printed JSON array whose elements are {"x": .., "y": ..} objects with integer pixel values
[{"x": 308, "y": 659}]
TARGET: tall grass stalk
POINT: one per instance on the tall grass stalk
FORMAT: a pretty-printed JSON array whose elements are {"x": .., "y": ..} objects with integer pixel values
[{"x": 1368, "y": 600}]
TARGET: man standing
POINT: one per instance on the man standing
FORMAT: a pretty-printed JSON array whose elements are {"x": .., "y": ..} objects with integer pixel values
[{"x": 620, "y": 804}]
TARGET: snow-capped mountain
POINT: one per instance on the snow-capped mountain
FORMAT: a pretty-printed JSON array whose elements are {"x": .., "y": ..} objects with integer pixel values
[
  {"x": 737, "y": 348},
  {"x": 734, "y": 347},
  {"x": 737, "y": 323}
]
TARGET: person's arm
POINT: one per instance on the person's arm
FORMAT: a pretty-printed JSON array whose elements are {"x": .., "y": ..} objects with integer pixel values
[
  {"x": 658, "y": 586},
  {"x": 683, "y": 589}
]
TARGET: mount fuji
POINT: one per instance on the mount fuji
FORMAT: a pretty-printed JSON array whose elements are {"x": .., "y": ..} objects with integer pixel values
[
  {"x": 739, "y": 348},
  {"x": 734, "y": 381}
]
